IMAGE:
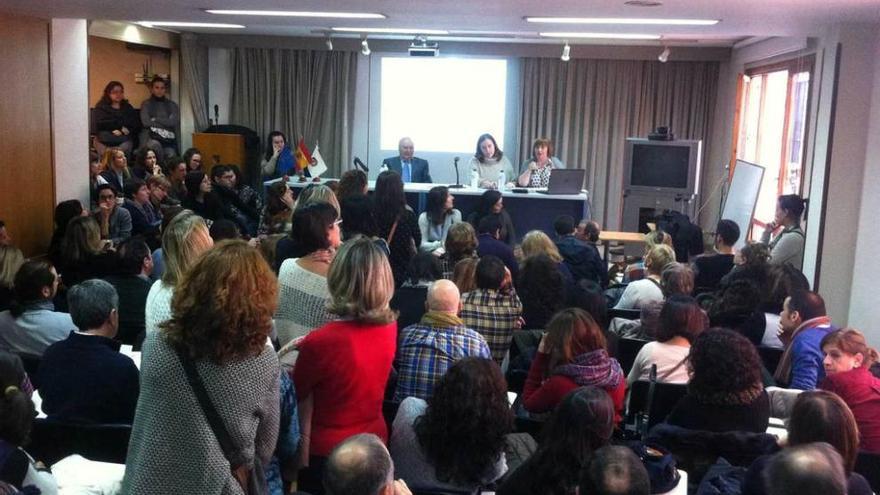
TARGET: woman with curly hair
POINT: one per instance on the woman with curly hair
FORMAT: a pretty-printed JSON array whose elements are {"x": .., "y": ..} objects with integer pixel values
[
  {"x": 581, "y": 424},
  {"x": 461, "y": 243},
  {"x": 541, "y": 289},
  {"x": 751, "y": 262},
  {"x": 817, "y": 416},
  {"x": 725, "y": 392},
  {"x": 343, "y": 366},
  {"x": 573, "y": 353},
  {"x": 221, "y": 317},
  {"x": 455, "y": 441},
  {"x": 492, "y": 203}
]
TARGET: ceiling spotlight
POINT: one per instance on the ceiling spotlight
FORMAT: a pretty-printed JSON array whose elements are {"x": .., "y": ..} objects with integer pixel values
[
  {"x": 329, "y": 43},
  {"x": 566, "y": 53},
  {"x": 365, "y": 47},
  {"x": 664, "y": 55}
]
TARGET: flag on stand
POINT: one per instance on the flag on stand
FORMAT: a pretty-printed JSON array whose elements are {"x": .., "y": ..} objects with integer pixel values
[
  {"x": 302, "y": 156},
  {"x": 318, "y": 166}
]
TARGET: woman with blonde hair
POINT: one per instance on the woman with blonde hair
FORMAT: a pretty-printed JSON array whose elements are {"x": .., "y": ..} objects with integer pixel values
[
  {"x": 572, "y": 354},
  {"x": 636, "y": 271},
  {"x": 317, "y": 194},
  {"x": 649, "y": 289},
  {"x": 11, "y": 260},
  {"x": 537, "y": 242},
  {"x": 115, "y": 169},
  {"x": 848, "y": 361},
  {"x": 342, "y": 368},
  {"x": 183, "y": 241},
  {"x": 220, "y": 319},
  {"x": 83, "y": 254}
]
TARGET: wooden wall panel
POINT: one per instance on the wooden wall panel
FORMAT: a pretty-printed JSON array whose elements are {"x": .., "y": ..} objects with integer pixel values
[{"x": 27, "y": 188}]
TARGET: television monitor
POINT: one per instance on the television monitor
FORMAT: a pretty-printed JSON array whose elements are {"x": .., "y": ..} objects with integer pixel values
[{"x": 662, "y": 166}]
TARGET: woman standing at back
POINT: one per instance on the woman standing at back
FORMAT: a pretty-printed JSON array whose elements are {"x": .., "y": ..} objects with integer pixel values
[{"x": 397, "y": 223}]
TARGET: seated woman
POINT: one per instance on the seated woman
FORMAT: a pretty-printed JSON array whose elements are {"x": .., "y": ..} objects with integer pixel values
[
  {"x": 541, "y": 289},
  {"x": 220, "y": 321},
  {"x": 435, "y": 221},
  {"x": 248, "y": 196},
  {"x": 788, "y": 245},
  {"x": 278, "y": 160},
  {"x": 175, "y": 170},
  {"x": 582, "y": 423},
  {"x": 848, "y": 360},
  {"x": 572, "y": 354},
  {"x": 201, "y": 200},
  {"x": 357, "y": 217},
  {"x": 146, "y": 164},
  {"x": 343, "y": 366},
  {"x": 737, "y": 307},
  {"x": 817, "y": 416},
  {"x": 317, "y": 193},
  {"x": 302, "y": 280},
  {"x": 725, "y": 392},
  {"x": 456, "y": 440},
  {"x": 681, "y": 322},
  {"x": 145, "y": 221},
  {"x": 115, "y": 171},
  {"x": 461, "y": 243},
  {"x": 636, "y": 271},
  {"x": 537, "y": 242},
  {"x": 116, "y": 121},
  {"x": 278, "y": 212},
  {"x": 193, "y": 159},
  {"x": 464, "y": 275},
  {"x": 640, "y": 293},
  {"x": 490, "y": 164},
  {"x": 752, "y": 262},
  {"x": 352, "y": 183},
  {"x": 83, "y": 254},
  {"x": 537, "y": 169},
  {"x": 411, "y": 297},
  {"x": 492, "y": 203},
  {"x": 65, "y": 211}
]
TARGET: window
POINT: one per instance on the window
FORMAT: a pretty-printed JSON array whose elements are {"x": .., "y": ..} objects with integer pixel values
[{"x": 771, "y": 130}]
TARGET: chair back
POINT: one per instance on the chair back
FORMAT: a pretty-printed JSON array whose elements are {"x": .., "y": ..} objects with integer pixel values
[
  {"x": 868, "y": 465},
  {"x": 647, "y": 407},
  {"x": 627, "y": 350},
  {"x": 770, "y": 356},
  {"x": 53, "y": 440},
  {"x": 626, "y": 314}
]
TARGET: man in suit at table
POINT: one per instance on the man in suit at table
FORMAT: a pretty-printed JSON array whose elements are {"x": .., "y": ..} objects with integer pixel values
[{"x": 410, "y": 168}]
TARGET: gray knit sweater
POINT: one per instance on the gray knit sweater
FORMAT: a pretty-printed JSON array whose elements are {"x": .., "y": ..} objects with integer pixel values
[{"x": 172, "y": 448}]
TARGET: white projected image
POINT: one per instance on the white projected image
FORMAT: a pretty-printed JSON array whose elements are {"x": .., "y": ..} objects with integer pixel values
[{"x": 443, "y": 104}]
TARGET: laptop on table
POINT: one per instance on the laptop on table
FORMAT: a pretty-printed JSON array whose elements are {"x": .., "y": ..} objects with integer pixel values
[{"x": 565, "y": 181}]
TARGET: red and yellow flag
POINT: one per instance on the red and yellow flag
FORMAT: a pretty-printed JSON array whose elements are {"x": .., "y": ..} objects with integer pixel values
[{"x": 302, "y": 156}]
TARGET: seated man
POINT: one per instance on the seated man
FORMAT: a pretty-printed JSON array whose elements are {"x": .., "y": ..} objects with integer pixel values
[
  {"x": 803, "y": 324},
  {"x": 145, "y": 221},
  {"x": 582, "y": 259},
  {"x": 84, "y": 377},
  {"x": 430, "y": 347},
  {"x": 811, "y": 469},
  {"x": 588, "y": 231},
  {"x": 246, "y": 217},
  {"x": 361, "y": 465},
  {"x": 489, "y": 243},
  {"x": 614, "y": 470},
  {"x": 132, "y": 283},
  {"x": 410, "y": 168},
  {"x": 708, "y": 269},
  {"x": 33, "y": 324},
  {"x": 115, "y": 222},
  {"x": 493, "y": 308}
]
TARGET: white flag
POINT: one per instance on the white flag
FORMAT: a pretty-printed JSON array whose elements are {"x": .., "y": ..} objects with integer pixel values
[{"x": 318, "y": 167}]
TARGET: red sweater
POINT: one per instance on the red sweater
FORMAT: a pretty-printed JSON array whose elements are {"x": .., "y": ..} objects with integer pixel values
[
  {"x": 345, "y": 366},
  {"x": 861, "y": 392},
  {"x": 542, "y": 395}
]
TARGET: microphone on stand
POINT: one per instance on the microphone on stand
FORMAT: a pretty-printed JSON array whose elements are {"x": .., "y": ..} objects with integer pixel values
[
  {"x": 216, "y": 114},
  {"x": 457, "y": 184},
  {"x": 359, "y": 163}
]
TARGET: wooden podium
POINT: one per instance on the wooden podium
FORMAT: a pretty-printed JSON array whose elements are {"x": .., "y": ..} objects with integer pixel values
[{"x": 221, "y": 149}]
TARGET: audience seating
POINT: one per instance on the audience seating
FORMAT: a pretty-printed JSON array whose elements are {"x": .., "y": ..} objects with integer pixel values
[
  {"x": 31, "y": 364},
  {"x": 627, "y": 350},
  {"x": 638, "y": 415},
  {"x": 770, "y": 356},
  {"x": 523, "y": 346},
  {"x": 626, "y": 314},
  {"x": 53, "y": 440},
  {"x": 868, "y": 465}
]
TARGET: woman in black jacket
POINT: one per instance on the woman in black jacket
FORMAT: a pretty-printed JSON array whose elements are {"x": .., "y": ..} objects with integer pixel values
[{"x": 116, "y": 121}]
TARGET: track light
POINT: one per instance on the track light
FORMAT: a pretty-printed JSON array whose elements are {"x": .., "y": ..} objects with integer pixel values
[
  {"x": 566, "y": 52},
  {"x": 664, "y": 55},
  {"x": 329, "y": 43},
  {"x": 365, "y": 47}
]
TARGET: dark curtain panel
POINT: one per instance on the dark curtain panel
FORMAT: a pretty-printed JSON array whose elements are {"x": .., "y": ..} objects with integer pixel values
[
  {"x": 300, "y": 93},
  {"x": 589, "y": 107}
]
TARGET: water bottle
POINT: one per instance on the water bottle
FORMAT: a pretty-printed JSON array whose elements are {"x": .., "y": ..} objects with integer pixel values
[
  {"x": 502, "y": 180},
  {"x": 475, "y": 178}
]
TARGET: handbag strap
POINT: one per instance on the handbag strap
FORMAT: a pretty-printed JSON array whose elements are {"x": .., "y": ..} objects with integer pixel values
[
  {"x": 393, "y": 228},
  {"x": 214, "y": 420}
]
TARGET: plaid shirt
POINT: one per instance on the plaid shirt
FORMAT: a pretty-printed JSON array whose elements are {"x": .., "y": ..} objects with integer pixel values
[
  {"x": 425, "y": 353},
  {"x": 493, "y": 314}
]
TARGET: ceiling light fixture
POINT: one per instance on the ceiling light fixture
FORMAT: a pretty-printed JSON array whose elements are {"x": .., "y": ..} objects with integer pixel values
[
  {"x": 389, "y": 30},
  {"x": 365, "y": 47},
  {"x": 618, "y": 36},
  {"x": 566, "y": 53},
  {"x": 150, "y": 24},
  {"x": 664, "y": 55},
  {"x": 623, "y": 20},
  {"x": 288, "y": 13}
]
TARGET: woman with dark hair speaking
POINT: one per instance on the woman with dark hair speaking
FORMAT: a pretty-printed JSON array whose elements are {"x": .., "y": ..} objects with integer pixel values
[
  {"x": 492, "y": 203},
  {"x": 581, "y": 424},
  {"x": 788, "y": 246},
  {"x": 489, "y": 162},
  {"x": 220, "y": 320},
  {"x": 435, "y": 221},
  {"x": 396, "y": 222},
  {"x": 455, "y": 441}
]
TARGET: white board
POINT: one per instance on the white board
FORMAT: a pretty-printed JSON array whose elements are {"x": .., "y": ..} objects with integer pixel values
[{"x": 739, "y": 205}]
